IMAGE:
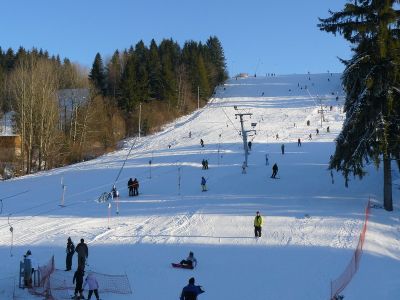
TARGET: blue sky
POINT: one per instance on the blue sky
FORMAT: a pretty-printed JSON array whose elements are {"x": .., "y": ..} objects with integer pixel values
[{"x": 257, "y": 35}]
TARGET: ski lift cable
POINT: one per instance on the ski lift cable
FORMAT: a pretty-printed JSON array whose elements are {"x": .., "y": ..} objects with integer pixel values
[
  {"x": 14, "y": 195},
  {"x": 233, "y": 124},
  {"x": 126, "y": 158}
]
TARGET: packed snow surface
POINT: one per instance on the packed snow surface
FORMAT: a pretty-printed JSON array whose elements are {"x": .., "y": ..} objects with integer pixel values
[{"x": 311, "y": 225}]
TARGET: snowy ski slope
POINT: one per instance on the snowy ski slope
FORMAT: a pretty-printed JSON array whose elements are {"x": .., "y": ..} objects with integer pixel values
[{"x": 311, "y": 225}]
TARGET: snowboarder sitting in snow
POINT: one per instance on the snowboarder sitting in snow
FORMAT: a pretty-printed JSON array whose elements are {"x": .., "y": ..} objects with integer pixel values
[
  {"x": 191, "y": 291},
  {"x": 258, "y": 221},
  {"x": 78, "y": 278},
  {"x": 274, "y": 170},
  {"x": 93, "y": 286},
  {"x": 203, "y": 184},
  {"x": 190, "y": 260}
]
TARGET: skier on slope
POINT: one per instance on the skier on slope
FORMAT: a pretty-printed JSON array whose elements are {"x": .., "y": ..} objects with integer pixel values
[
  {"x": 93, "y": 286},
  {"x": 190, "y": 260},
  {"x": 258, "y": 221},
  {"x": 191, "y": 291},
  {"x": 274, "y": 170},
  {"x": 203, "y": 184},
  {"x": 283, "y": 149},
  {"x": 70, "y": 250},
  {"x": 78, "y": 278}
]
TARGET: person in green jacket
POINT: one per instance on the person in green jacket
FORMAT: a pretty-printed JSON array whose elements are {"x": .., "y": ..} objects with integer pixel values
[{"x": 258, "y": 221}]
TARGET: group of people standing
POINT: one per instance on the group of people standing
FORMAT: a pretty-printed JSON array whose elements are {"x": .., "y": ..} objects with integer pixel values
[
  {"x": 204, "y": 164},
  {"x": 82, "y": 251},
  {"x": 133, "y": 186}
]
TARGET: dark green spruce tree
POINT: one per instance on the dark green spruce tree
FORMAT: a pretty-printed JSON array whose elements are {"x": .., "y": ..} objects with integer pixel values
[
  {"x": 217, "y": 59},
  {"x": 371, "y": 131},
  {"x": 155, "y": 80},
  {"x": 97, "y": 75},
  {"x": 114, "y": 73},
  {"x": 128, "y": 99}
]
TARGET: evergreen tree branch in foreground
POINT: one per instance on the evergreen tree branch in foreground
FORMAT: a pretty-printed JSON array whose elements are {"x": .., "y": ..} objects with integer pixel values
[{"x": 371, "y": 130}]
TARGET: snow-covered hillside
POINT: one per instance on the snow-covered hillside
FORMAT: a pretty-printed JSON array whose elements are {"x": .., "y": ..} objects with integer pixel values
[{"x": 311, "y": 221}]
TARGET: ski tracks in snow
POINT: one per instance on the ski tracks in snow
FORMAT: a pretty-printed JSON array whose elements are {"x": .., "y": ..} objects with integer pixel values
[{"x": 347, "y": 234}]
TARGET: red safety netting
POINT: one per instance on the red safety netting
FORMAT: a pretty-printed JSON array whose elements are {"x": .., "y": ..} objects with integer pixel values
[
  {"x": 45, "y": 271},
  {"x": 339, "y": 284},
  {"x": 56, "y": 284},
  {"x": 61, "y": 285}
]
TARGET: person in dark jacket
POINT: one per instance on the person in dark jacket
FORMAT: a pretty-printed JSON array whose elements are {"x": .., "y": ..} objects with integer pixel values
[
  {"x": 135, "y": 187},
  {"x": 78, "y": 278},
  {"x": 190, "y": 260},
  {"x": 203, "y": 163},
  {"x": 70, "y": 252},
  {"x": 130, "y": 187},
  {"x": 83, "y": 253},
  {"x": 274, "y": 170},
  {"x": 191, "y": 291},
  {"x": 283, "y": 148},
  {"x": 203, "y": 184}
]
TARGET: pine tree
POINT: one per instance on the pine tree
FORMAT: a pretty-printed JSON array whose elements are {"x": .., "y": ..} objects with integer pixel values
[
  {"x": 371, "y": 130},
  {"x": 142, "y": 75},
  {"x": 217, "y": 58},
  {"x": 169, "y": 56},
  {"x": 155, "y": 81},
  {"x": 128, "y": 99},
  {"x": 203, "y": 82},
  {"x": 114, "y": 73},
  {"x": 97, "y": 75}
]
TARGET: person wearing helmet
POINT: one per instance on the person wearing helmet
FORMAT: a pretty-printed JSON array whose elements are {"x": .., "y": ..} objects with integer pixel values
[{"x": 190, "y": 260}]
